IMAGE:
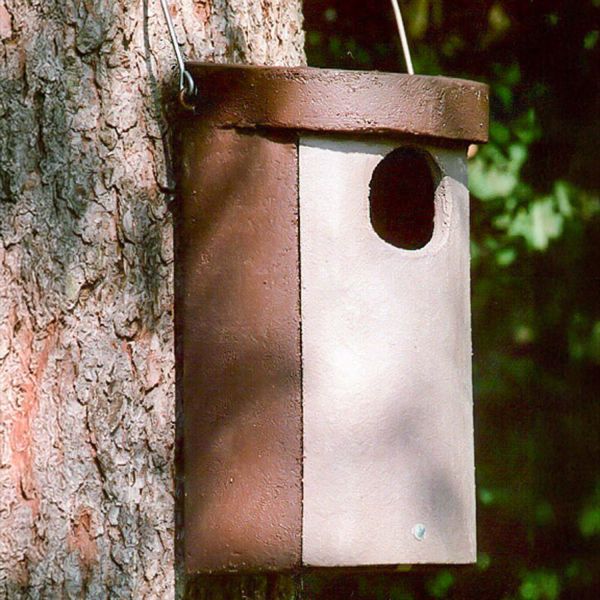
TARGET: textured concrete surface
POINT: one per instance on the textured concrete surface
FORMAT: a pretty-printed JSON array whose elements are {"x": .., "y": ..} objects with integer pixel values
[
  {"x": 325, "y": 372},
  {"x": 327, "y": 100},
  {"x": 388, "y": 436},
  {"x": 240, "y": 318}
]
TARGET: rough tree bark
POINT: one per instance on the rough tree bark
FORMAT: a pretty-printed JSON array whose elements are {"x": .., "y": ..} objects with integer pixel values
[{"x": 87, "y": 394}]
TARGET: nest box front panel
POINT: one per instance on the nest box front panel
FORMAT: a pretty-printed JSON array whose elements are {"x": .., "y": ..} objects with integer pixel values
[{"x": 386, "y": 354}]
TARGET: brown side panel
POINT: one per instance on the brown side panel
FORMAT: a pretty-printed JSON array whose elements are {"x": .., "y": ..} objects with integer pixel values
[{"x": 240, "y": 324}]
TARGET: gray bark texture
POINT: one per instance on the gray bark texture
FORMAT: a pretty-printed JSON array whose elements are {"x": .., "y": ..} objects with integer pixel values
[{"x": 87, "y": 383}]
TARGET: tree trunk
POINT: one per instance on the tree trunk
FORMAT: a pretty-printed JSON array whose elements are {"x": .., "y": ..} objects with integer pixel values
[{"x": 87, "y": 386}]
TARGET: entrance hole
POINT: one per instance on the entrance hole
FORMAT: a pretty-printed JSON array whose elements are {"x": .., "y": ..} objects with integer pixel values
[{"x": 402, "y": 198}]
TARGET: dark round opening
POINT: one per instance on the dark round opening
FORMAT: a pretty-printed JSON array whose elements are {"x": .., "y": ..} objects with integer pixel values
[{"x": 402, "y": 198}]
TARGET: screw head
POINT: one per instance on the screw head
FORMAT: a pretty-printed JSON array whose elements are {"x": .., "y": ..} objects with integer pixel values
[{"x": 419, "y": 532}]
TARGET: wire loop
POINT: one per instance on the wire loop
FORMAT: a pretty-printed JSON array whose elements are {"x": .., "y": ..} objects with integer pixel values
[{"x": 187, "y": 87}]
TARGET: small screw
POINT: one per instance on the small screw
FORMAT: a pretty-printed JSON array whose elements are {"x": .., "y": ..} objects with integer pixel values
[{"x": 419, "y": 532}]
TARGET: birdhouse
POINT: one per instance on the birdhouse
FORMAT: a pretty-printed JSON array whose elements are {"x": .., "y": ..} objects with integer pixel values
[{"x": 323, "y": 318}]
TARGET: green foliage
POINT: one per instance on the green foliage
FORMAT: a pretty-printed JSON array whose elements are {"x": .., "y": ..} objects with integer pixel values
[
  {"x": 589, "y": 519},
  {"x": 515, "y": 208},
  {"x": 440, "y": 584},
  {"x": 540, "y": 585},
  {"x": 484, "y": 561}
]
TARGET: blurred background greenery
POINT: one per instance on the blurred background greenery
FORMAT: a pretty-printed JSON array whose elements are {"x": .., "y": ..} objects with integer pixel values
[{"x": 536, "y": 273}]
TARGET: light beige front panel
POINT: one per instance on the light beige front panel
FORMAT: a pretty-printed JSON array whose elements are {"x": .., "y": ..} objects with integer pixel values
[{"x": 387, "y": 400}]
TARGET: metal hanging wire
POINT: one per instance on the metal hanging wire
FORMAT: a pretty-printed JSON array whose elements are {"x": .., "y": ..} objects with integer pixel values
[
  {"x": 403, "y": 38},
  {"x": 187, "y": 88}
]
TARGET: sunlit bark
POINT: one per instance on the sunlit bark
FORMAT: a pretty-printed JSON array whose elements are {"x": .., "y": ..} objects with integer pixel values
[{"x": 87, "y": 393}]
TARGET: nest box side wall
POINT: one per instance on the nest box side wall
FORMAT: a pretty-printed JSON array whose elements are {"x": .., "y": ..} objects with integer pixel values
[{"x": 240, "y": 314}]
